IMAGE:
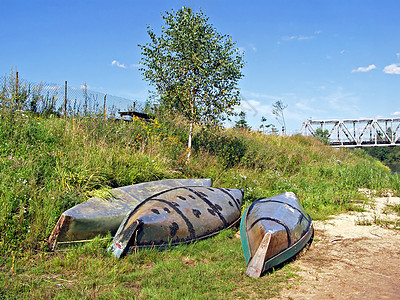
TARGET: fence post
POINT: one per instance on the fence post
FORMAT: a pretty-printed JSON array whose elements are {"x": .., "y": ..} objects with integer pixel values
[
  {"x": 104, "y": 107},
  {"x": 16, "y": 90},
  {"x": 16, "y": 82},
  {"x": 65, "y": 98}
]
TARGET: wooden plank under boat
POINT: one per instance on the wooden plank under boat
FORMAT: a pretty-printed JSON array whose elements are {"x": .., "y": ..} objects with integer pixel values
[
  {"x": 99, "y": 216},
  {"x": 179, "y": 215},
  {"x": 272, "y": 230}
]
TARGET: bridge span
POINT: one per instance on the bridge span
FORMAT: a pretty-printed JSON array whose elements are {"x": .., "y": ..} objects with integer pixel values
[{"x": 382, "y": 132}]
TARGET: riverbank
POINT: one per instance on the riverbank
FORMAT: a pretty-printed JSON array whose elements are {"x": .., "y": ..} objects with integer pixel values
[{"x": 354, "y": 256}]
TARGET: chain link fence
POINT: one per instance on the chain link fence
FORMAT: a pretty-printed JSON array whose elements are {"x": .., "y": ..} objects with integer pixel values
[{"x": 61, "y": 99}]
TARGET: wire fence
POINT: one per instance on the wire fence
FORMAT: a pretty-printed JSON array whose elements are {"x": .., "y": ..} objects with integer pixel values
[{"x": 61, "y": 99}]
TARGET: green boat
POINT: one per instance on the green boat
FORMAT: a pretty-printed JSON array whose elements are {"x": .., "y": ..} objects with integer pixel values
[
  {"x": 176, "y": 216},
  {"x": 98, "y": 216},
  {"x": 273, "y": 230}
]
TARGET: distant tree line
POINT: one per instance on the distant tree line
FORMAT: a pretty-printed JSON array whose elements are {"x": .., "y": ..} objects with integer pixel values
[{"x": 387, "y": 155}]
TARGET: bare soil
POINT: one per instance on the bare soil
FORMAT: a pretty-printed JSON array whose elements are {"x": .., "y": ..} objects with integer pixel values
[{"x": 353, "y": 256}]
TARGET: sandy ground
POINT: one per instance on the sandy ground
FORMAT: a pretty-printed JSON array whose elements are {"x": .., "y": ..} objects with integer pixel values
[{"x": 351, "y": 257}]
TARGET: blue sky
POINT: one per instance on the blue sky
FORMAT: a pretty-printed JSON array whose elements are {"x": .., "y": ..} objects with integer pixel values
[{"x": 324, "y": 59}]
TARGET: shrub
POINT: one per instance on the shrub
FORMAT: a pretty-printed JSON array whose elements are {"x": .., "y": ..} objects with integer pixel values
[{"x": 229, "y": 149}]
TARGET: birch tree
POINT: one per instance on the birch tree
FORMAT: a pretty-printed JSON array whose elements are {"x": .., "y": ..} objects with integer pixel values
[
  {"x": 278, "y": 108},
  {"x": 193, "y": 68}
]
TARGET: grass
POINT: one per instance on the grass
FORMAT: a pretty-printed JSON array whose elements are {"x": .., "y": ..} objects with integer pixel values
[
  {"x": 394, "y": 208},
  {"x": 49, "y": 164},
  {"x": 211, "y": 269}
]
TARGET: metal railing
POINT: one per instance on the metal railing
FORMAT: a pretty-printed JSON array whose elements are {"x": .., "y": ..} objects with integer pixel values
[{"x": 356, "y": 132}]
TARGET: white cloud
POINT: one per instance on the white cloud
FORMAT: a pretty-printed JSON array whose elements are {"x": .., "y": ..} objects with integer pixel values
[
  {"x": 301, "y": 37},
  {"x": 398, "y": 55},
  {"x": 392, "y": 69},
  {"x": 305, "y": 37},
  {"x": 256, "y": 95},
  {"x": 307, "y": 106},
  {"x": 250, "y": 47},
  {"x": 253, "y": 108},
  {"x": 298, "y": 37},
  {"x": 364, "y": 69},
  {"x": 118, "y": 64},
  {"x": 342, "y": 102},
  {"x": 395, "y": 114}
]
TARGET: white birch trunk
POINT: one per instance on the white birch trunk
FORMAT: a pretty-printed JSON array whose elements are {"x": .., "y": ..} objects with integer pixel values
[{"x": 189, "y": 146}]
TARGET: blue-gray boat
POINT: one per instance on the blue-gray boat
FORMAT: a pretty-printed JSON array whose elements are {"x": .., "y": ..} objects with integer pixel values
[
  {"x": 98, "y": 216},
  {"x": 273, "y": 230},
  {"x": 176, "y": 216}
]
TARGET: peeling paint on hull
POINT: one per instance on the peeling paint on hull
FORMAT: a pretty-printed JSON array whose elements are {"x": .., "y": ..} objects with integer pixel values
[
  {"x": 179, "y": 215},
  {"x": 97, "y": 216},
  {"x": 283, "y": 221}
]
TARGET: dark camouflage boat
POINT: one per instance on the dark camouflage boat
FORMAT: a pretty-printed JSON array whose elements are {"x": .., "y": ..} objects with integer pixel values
[
  {"x": 98, "y": 216},
  {"x": 273, "y": 230},
  {"x": 179, "y": 215}
]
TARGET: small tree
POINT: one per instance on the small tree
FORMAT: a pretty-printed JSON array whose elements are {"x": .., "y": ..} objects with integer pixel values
[
  {"x": 242, "y": 122},
  {"x": 274, "y": 130},
  {"x": 193, "y": 68},
  {"x": 278, "y": 108},
  {"x": 322, "y": 135},
  {"x": 263, "y": 126}
]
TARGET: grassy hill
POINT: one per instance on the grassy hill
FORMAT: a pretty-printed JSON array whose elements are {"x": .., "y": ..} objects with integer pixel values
[{"x": 49, "y": 164}]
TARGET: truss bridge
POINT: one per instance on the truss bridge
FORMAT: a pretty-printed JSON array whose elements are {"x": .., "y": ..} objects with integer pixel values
[{"x": 356, "y": 132}]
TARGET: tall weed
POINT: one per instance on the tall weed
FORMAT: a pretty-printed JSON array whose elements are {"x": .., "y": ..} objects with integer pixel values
[{"x": 48, "y": 164}]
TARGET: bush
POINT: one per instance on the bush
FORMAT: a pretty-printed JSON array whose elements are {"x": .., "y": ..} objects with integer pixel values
[
  {"x": 229, "y": 149},
  {"x": 49, "y": 164}
]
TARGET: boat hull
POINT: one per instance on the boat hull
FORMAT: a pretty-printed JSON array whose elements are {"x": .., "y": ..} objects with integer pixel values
[
  {"x": 98, "y": 216},
  {"x": 283, "y": 219},
  {"x": 179, "y": 215}
]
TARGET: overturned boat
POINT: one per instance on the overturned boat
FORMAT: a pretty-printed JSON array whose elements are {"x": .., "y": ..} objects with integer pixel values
[
  {"x": 272, "y": 230},
  {"x": 98, "y": 216},
  {"x": 179, "y": 215}
]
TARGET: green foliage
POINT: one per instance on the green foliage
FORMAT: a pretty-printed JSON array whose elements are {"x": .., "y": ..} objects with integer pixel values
[
  {"x": 395, "y": 208},
  {"x": 194, "y": 69},
  {"x": 212, "y": 269},
  {"x": 322, "y": 135},
  {"x": 265, "y": 127},
  {"x": 16, "y": 94},
  {"x": 242, "y": 122},
  {"x": 278, "y": 108},
  {"x": 229, "y": 149},
  {"x": 390, "y": 156},
  {"x": 49, "y": 164}
]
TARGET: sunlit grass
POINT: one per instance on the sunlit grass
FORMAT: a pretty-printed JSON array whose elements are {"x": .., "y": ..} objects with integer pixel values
[
  {"x": 49, "y": 164},
  {"x": 211, "y": 269}
]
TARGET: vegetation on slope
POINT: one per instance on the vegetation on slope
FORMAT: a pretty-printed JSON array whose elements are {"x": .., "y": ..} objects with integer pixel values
[
  {"x": 390, "y": 156},
  {"x": 49, "y": 164}
]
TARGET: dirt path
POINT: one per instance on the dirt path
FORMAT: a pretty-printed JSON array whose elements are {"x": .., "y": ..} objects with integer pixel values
[{"x": 348, "y": 260}]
